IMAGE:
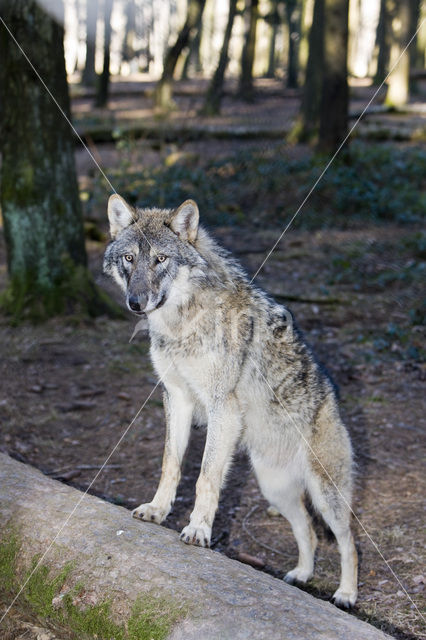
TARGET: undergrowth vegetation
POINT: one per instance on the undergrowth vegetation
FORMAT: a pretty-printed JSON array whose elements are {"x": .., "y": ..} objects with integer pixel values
[{"x": 376, "y": 183}]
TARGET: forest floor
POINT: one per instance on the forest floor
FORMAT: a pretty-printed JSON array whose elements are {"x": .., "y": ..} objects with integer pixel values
[{"x": 70, "y": 387}]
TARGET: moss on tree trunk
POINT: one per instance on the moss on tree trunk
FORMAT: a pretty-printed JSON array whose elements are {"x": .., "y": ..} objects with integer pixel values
[{"x": 39, "y": 196}]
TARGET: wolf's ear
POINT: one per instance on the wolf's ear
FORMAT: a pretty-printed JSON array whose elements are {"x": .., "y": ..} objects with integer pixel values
[
  {"x": 185, "y": 221},
  {"x": 120, "y": 215}
]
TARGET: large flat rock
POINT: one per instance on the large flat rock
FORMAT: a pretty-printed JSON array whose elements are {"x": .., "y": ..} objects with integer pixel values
[{"x": 120, "y": 558}]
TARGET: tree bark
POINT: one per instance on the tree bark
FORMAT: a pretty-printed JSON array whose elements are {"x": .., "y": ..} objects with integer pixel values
[
  {"x": 273, "y": 20},
  {"x": 128, "y": 50},
  {"x": 246, "y": 89},
  {"x": 103, "y": 83},
  {"x": 399, "y": 79},
  {"x": 193, "y": 55},
  {"x": 307, "y": 125},
  {"x": 163, "y": 91},
  {"x": 101, "y": 541},
  {"x": 421, "y": 37},
  {"x": 39, "y": 195},
  {"x": 334, "y": 95},
  {"x": 413, "y": 50},
  {"x": 293, "y": 12},
  {"x": 89, "y": 73},
  {"x": 383, "y": 42},
  {"x": 214, "y": 93}
]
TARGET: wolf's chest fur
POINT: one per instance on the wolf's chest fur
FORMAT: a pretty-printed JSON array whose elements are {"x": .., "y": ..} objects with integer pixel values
[{"x": 248, "y": 345}]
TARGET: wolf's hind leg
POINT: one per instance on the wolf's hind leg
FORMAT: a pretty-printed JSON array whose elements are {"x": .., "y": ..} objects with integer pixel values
[
  {"x": 178, "y": 408},
  {"x": 334, "y": 507},
  {"x": 285, "y": 492}
]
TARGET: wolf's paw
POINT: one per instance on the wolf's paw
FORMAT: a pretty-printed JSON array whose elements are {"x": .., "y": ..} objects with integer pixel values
[
  {"x": 150, "y": 513},
  {"x": 345, "y": 599},
  {"x": 199, "y": 536},
  {"x": 298, "y": 575}
]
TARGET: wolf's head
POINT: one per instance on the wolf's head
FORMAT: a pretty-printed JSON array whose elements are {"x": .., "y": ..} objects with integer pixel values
[{"x": 152, "y": 254}]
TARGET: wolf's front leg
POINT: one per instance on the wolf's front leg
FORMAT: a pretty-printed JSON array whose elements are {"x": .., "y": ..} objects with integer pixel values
[
  {"x": 178, "y": 408},
  {"x": 223, "y": 431}
]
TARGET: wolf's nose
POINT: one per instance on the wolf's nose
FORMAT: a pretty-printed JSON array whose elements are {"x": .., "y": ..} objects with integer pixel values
[{"x": 134, "y": 303}]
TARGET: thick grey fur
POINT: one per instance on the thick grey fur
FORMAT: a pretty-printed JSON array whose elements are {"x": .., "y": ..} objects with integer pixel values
[{"x": 232, "y": 358}]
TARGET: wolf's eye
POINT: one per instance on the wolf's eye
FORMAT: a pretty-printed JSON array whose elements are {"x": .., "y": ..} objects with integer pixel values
[
  {"x": 161, "y": 258},
  {"x": 128, "y": 257}
]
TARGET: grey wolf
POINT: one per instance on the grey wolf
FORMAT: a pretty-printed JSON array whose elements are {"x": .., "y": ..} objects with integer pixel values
[{"x": 241, "y": 367}]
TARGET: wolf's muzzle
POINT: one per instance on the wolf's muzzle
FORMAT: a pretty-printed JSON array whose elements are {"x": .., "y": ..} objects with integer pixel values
[{"x": 137, "y": 303}]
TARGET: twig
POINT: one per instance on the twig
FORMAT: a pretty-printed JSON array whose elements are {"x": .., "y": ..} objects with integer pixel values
[
  {"x": 82, "y": 467},
  {"x": 292, "y": 298},
  {"x": 89, "y": 467},
  {"x": 250, "y": 535}
]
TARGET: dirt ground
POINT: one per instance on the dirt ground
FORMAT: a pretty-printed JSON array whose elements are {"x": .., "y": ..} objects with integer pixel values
[{"x": 71, "y": 388}]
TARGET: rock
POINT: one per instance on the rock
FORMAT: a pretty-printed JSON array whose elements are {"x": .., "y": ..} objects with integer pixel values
[
  {"x": 224, "y": 599},
  {"x": 36, "y": 388}
]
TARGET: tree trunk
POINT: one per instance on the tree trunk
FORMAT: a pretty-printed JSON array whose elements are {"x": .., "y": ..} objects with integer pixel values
[
  {"x": 335, "y": 94},
  {"x": 215, "y": 91},
  {"x": 307, "y": 125},
  {"x": 77, "y": 65},
  {"x": 398, "y": 81},
  {"x": 413, "y": 49},
  {"x": 421, "y": 37},
  {"x": 382, "y": 42},
  {"x": 39, "y": 196},
  {"x": 149, "y": 31},
  {"x": 274, "y": 21},
  {"x": 193, "y": 54},
  {"x": 293, "y": 11},
  {"x": 306, "y": 6},
  {"x": 246, "y": 89},
  {"x": 89, "y": 73},
  {"x": 128, "y": 51},
  {"x": 163, "y": 91},
  {"x": 103, "y": 83}
]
